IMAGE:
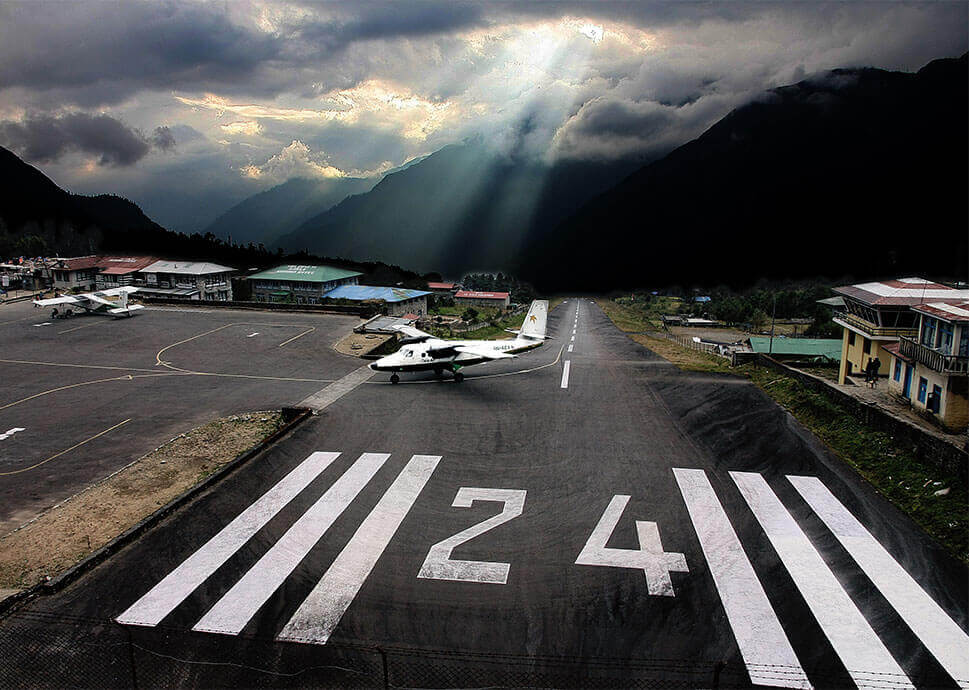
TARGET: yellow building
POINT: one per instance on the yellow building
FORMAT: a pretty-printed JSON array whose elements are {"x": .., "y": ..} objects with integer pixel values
[
  {"x": 929, "y": 370},
  {"x": 877, "y": 314}
]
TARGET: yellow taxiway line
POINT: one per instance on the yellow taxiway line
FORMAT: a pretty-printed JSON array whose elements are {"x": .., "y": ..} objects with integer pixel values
[{"x": 57, "y": 455}]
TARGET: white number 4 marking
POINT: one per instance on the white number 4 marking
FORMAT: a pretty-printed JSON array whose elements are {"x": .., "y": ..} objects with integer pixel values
[
  {"x": 654, "y": 562},
  {"x": 10, "y": 432},
  {"x": 438, "y": 564}
]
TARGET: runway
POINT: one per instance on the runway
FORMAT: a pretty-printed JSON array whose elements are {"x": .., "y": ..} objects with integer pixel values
[{"x": 584, "y": 515}]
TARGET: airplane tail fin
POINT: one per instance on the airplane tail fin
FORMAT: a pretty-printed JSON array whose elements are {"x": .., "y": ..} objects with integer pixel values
[{"x": 534, "y": 326}]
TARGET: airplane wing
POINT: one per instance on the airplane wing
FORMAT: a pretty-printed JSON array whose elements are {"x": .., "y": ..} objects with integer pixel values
[
  {"x": 56, "y": 300},
  {"x": 486, "y": 354},
  {"x": 412, "y": 332},
  {"x": 113, "y": 292}
]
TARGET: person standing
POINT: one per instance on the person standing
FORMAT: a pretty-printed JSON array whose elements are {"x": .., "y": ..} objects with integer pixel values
[{"x": 876, "y": 364}]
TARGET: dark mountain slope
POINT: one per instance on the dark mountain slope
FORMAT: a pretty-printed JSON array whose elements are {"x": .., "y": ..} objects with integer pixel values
[
  {"x": 462, "y": 208},
  {"x": 859, "y": 172},
  {"x": 264, "y": 217},
  {"x": 59, "y": 222}
]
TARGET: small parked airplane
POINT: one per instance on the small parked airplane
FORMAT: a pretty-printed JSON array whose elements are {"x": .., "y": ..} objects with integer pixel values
[
  {"x": 94, "y": 302},
  {"x": 424, "y": 352}
]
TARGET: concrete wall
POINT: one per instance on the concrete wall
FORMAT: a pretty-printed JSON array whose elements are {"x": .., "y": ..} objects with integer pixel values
[{"x": 923, "y": 444}]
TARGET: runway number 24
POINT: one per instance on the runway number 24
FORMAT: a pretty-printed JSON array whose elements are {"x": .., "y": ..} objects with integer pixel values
[{"x": 655, "y": 563}]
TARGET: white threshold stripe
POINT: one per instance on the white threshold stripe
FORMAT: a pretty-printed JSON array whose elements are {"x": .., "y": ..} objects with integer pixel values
[
  {"x": 234, "y": 610},
  {"x": 942, "y": 636},
  {"x": 321, "y": 611},
  {"x": 565, "y": 373},
  {"x": 767, "y": 653},
  {"x": 856, "y": 644},
  {"x": 178, "y": 584}
]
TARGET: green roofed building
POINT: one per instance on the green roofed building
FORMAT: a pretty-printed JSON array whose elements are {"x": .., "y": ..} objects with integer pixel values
[
  {"x": 300, "y": 284},
  {"x": 804, "y": 349}
]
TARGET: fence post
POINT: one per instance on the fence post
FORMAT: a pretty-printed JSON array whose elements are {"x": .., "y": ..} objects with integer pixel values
[
  {"x": 383, "y": 659},
  {"x": 131, "y": 657},
  {"x": 717, "y": 668}
]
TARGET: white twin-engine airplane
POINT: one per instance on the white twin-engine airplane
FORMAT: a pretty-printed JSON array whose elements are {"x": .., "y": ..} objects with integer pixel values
[
  {"x": 423, "y": 352},
  {"x": 94, "y": 302}
]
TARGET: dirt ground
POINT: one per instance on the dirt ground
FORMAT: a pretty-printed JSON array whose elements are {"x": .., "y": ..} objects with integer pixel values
[
  {"x": 70, "y": 531},
  {"x": 365, "y": 341}
]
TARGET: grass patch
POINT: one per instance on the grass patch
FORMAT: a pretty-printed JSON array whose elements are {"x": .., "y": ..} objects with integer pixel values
[
  {"x": 895, "y": 472},
  {"x": 636, "y": 316}
]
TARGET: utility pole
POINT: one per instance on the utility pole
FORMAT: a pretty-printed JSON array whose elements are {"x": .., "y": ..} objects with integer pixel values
[{"x": 773, "y": 313}]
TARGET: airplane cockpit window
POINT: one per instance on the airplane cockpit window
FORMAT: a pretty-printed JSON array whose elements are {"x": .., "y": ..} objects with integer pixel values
[{"x": 409, "y": 353}]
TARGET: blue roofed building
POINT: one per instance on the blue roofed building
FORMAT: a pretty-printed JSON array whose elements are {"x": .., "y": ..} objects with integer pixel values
[{"x": 399, "y": 301}]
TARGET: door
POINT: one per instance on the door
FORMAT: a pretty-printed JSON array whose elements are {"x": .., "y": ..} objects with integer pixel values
[{"x": 907, "y": 386}]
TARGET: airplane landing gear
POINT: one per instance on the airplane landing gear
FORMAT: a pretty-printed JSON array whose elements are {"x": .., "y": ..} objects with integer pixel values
[
  {"x": 394, "y": 379},
  {"x": 439, "y": 373},
  {"x": 458, "y": 377}
]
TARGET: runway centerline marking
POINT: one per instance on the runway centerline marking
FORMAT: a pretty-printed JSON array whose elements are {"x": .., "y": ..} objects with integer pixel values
[
  {"x": 321, "y": 611},
  {"x": 234, "y": 610},
  {"x": 565, "y": 373},
  {"x": 164, "y": 597},
  {"x": 570, "y": 347},
  {"x": 10, "y": 432},
  {"x": 763, "y": 645},
  {"x": 68, "y": 450},
  {"x": 856, "y": 644},
  {"x": 942, "y": 636}
]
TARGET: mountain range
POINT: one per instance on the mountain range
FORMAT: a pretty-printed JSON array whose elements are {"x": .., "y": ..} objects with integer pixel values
[
  {"x": 855, "y": 172},
  {"x": 463, "y": 208},
  {"x": 859, "y": 172}
]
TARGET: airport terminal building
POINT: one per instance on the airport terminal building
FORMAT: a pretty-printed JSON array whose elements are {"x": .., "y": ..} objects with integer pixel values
[
  {"x": 188, "y": 280},
  {"x": 299, "y": 284}
]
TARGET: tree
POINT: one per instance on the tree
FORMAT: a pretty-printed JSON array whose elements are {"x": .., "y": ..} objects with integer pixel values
[{"x": 470, "y": 315}]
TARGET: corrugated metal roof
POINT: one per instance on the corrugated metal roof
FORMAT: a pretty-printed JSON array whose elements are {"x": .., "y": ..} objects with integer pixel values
[
  {"x": 195, "y": 268},
  {"x": 78, "y": 263},
  {"x": 902, "y": 292},
  {"x": 121, "y": 265},
  {"x": 364, "y": 292},
  {"x": 472, "y": 294},
  {"x": 810, "y": 347},
  {"x": 956, "y": 312},
  {"x": 440, "y": 286},
  {"x": 310, "y": 274}
]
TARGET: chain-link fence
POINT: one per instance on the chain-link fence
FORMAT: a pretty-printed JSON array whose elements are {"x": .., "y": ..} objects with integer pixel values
[{"x": 52, "y": 650}]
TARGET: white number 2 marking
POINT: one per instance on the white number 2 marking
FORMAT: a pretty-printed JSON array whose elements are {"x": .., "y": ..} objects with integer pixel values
[
  {"x": 650, "y": 557},
  {"x": 438, "y": 564}
]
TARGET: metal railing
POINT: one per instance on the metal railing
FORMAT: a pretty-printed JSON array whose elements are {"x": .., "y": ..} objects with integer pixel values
[
  {"x": 934, "y": 360},
  {"x": 844, "y": 318}
]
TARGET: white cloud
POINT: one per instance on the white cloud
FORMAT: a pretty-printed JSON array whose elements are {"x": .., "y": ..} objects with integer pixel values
[
  {"x": 243, "y": 127},
  {"x": 295, "y": 160}
]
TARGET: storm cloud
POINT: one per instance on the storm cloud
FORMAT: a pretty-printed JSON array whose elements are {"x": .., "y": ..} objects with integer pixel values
[
  {"x": 367, "y": 86},
  {"x": 44, "y": 139}
]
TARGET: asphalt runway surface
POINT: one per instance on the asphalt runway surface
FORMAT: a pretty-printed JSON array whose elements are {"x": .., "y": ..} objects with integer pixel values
[
  {"x": 585, "y": 515},
  {"x": 82, "y": 397}
]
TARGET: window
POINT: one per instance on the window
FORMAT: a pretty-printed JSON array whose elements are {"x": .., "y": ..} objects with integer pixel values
[
  {"x": 866, "y": 346},
  {"x": 923, "y": 387},
  {"x": 964, "y": 341},
  {"x": 898, "y": 370},
  {"x": 944, "y": 341},
  {"x": 851, "y": 338},
  {"x": 935, "y": 400},
  {"x": 928, "y": 331}
]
